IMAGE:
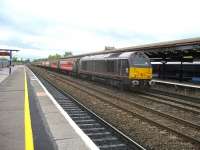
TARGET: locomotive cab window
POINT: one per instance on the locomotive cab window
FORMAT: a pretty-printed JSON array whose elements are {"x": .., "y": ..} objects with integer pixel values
[{"x": 140, "y": 60}]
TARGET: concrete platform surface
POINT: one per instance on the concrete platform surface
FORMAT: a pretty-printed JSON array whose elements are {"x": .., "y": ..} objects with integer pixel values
[
  {"x": 179, "y": 88},
  {"x": 12, "y": 111}
]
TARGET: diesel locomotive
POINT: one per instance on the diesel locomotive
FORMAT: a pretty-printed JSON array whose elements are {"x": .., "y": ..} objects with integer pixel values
[{"x": 118, "y": 69}]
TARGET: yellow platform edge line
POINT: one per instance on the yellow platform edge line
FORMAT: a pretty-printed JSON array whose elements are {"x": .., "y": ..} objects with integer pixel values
[{"x": 27, "y": 119}]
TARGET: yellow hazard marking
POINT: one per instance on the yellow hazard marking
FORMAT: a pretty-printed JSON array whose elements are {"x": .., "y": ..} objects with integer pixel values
[
  {"x": 27, "y": 120},
  {"x": 140, "y": 73}
]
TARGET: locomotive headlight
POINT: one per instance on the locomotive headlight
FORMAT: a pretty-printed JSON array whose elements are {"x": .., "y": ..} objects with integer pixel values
[{"x": 135, "y": 82}]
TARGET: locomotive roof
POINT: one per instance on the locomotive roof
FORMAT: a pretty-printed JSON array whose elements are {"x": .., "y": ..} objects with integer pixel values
[{"x": 124, "y": 55}]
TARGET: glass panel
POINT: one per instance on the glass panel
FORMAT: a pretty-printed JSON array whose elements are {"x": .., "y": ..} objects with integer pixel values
[{"x": 140, "y": 60}]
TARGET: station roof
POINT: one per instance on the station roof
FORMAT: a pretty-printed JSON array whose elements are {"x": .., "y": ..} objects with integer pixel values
[{"x": 185, "y": 50}]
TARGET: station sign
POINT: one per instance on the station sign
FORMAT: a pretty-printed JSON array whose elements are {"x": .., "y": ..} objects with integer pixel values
[{"x": 4, "y": 54}]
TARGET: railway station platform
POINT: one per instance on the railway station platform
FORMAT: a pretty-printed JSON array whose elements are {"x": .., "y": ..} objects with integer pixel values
[
  {"x": 31, "y": 119},
  {"x": 4, "y": 73},
  {"x": 176, "y": 87}
]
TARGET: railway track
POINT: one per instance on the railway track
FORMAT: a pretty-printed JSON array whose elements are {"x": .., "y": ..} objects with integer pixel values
[
  {"x": 194, "y": 107},
  {"x": 155, "y": 117},
  {"x": 104, "y": 135}
]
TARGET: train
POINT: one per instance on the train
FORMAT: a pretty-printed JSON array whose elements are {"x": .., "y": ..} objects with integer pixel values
[{"x": 124, "y": 69}]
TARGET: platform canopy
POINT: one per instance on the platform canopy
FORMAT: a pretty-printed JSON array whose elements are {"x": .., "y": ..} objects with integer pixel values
[
  {"x": 179, "y": 50},
  {"x": 8, "y": 50}
]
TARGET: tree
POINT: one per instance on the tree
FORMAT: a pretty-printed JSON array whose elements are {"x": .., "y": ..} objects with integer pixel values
[
  {"x": 15, "y": 59},
  {"x": 54, "y": 57},
  {"x": 27, "y": 60},
  {"x": 67, "y": 54}
]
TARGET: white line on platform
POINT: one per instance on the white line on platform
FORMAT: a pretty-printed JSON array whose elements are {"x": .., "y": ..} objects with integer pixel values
[
  {"x": 91, "y": 145},
  {"x": 175, "y": 83}
]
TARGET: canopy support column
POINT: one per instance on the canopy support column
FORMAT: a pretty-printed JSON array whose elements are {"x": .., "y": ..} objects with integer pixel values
[
  {"x": 164, "y": 61},
  {"x": 181, "y": 69},
  {"x": 10, "y": 62}
]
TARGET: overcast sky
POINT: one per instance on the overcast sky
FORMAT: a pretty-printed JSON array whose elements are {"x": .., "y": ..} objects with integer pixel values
[{"x": 43, "y": 27}]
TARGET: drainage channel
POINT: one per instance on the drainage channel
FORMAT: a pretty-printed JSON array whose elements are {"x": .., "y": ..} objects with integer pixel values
[{"x": 105, "y": 136}]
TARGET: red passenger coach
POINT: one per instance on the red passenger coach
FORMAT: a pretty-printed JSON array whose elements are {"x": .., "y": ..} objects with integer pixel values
[
  {"x": 66, "y": 65},
  {"x": 54, "y": 64}
]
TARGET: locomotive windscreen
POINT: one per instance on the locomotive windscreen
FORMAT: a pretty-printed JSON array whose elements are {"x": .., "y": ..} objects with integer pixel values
[{"x": 140, "y": 60}]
